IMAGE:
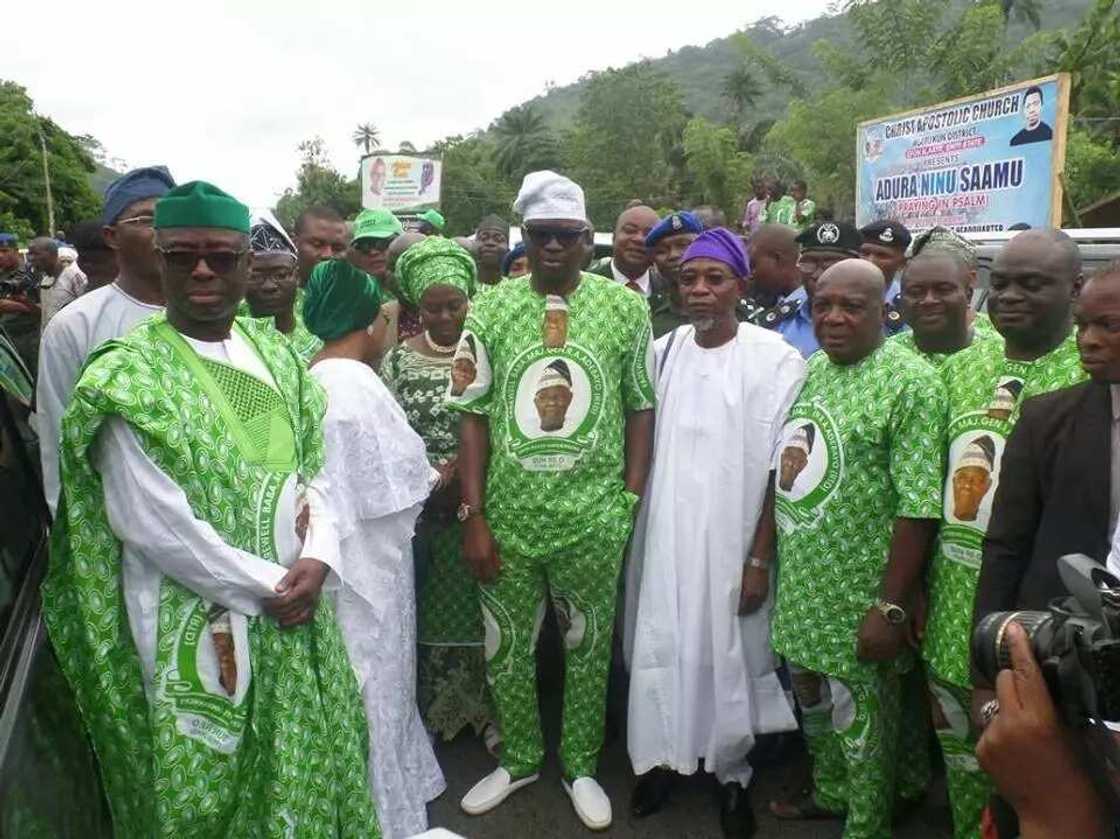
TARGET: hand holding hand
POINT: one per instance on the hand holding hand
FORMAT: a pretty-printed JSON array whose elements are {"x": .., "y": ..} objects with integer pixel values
[{"x": 298, "y": 593}]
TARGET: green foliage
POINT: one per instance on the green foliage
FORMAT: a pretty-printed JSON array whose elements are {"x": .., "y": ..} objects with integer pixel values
[
  {"x": 1092, "y": 168},
  {"x": 524, "y": 142},
  {"x": 718, "y": 173},
  {"x": 627, "y": 140},
  {"x": 318, "y": 183},
  {"x": 23, "y": 231},
  {"x": 819, "y": 134},
  {"x": 472, "y": 187},
  {"x": 23, "y": 193},
  {"x": 970, "y": 55},
  {"x": 742, "y": 90}
]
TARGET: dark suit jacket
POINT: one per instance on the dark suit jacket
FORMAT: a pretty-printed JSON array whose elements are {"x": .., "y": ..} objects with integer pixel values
[{"x": 1053, "y": 498}]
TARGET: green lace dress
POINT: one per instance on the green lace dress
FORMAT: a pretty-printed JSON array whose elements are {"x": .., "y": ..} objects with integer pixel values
[{"x": 452, "y": 689}]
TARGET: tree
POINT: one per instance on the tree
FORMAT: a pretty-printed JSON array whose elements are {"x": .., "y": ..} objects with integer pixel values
[
  {"x": 471, "y": 186},
  {"x": 524, "y": 142},
  {"x": 23, "y": 188},
  {"x": 318, "y": 183},
  {"x": 742, "y": 89},
  {"x": 626, "y": 140},
  {"x": 718, "y": 173},
  {"x": 367, "y": 137},
  {"x": 406, "y": 147},
  {"x": 1024, "y": 10}
]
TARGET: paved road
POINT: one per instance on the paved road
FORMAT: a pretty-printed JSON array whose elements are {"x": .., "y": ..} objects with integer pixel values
[{"x": 543, "y": 811}]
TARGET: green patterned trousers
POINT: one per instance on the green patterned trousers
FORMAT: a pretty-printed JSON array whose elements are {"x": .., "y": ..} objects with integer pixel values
[
  {"x": 969, "y": 786},
  {"x": 582, "y": 584},
  {"x": 851, "y": 727}
]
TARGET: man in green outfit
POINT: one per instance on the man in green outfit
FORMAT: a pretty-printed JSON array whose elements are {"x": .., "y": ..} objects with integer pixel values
[
  {"x": 182, "y": 597},
  {"x": 1034, "y": 281},
  {"x": 858, "y": 498},
  {"x": 937, "y": 285},
  {"x": 555, "y": 444},
  {"x": 273, "y": 283}
]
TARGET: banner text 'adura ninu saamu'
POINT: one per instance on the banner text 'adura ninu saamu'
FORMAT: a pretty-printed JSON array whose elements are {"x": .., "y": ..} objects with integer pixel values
[{"x": 976, "y": 165}]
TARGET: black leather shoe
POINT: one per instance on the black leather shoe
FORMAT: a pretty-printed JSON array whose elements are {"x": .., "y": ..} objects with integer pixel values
[
  {"x": 736, "y": 817},
  {"x": 651, "y": 792}
]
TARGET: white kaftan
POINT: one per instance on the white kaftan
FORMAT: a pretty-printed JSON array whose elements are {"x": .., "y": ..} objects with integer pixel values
[
  {"x": 377, "y": 478},
  {"x": 702, "y": 680},
  {"x": 68, "y": 339}
]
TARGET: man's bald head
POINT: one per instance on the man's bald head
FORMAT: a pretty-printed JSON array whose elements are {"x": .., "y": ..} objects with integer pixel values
[
  {"x": 858, "y": 274},
  {"x": 847, "y": 310},
  {"x": 774, "y": 252},
  {"x": 1033, "y": 282},
  {"x": 630, "y": 231}
]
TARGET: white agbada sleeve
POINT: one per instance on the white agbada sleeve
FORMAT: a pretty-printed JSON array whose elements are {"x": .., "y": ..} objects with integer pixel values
[
  {"x": 151, "y": 516},
  {"x": 59, "y": 363}
]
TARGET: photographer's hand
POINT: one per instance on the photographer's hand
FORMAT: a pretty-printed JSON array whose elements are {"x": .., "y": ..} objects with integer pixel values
[{"x": 1028, "y": 753}]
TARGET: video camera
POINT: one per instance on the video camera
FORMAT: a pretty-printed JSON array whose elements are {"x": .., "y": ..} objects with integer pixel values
[{"x": 1076, "y": 642}]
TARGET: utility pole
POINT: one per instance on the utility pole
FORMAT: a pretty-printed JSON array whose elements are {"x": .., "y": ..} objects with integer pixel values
[{"x": 46, "y": 177}]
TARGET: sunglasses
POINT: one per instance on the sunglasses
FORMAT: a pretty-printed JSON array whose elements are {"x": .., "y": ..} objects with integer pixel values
[
  {"x": 370, "y": 245},
  {"x": 220, "y": 262},
  {"x": 564, "y": 236}
]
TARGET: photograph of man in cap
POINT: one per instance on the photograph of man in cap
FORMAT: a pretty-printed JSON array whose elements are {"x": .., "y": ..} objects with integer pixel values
[
  {"x": 667, "y": 242},
  {"x": 554, "y": 395},
  {"x": 145, "y": 545},
  {"x": 795, "y": 456},
  {"x": 1034, "y": 280},
  {"x": 552, "y": 513},
  {"x": 107, "y": 312},
  {"x": 885, "y": 243},
  {"x": 464, "y": 368},
  {"x": 972, "y": 477}
]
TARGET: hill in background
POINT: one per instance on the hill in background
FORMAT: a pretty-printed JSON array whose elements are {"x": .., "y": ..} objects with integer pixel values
[{"x": 700, "y": 71}]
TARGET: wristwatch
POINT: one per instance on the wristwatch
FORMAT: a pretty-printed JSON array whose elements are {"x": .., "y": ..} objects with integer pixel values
[
  {"x": 466, "y": 511},
  {"x": 892, "y": 613}
]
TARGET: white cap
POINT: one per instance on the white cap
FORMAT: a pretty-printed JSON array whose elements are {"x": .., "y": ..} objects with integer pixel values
[{"x": 548, "y": 195}]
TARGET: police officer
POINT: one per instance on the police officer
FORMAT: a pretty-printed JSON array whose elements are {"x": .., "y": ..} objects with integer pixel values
[
  {"x": 821, "y": 246},
  {"x": 885, "y": 243}
]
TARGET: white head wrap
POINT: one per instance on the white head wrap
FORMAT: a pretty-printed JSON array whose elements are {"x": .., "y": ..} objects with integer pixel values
[
  {"x": 548, "y": 195},
  {"x": 556, "y": 373},
  {"x": 67, "y": 254},
  {"x": 980, "y": 452},
  {"x": 803, "y": 439}
]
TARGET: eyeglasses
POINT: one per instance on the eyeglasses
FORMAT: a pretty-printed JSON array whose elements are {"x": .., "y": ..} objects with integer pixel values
[
  {"x": 138, "y": 221},
  {"x": 564, "y": 236},
  {"x": 367, "y": 245},
  {"x": 220, "y": 262},
  {"x": 278, "y": 276}
]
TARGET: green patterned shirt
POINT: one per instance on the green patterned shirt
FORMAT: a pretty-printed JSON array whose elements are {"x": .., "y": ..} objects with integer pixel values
[
  {"x": 557, "y": 413},
  {"x": 985, "y": 390},
  {"x": 982, "y": 330},
  {"x": 861, "y": 448},
  {"x": 419, "y": 383}
]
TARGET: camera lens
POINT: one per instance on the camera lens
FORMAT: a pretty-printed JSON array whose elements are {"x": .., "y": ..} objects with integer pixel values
[{"x": 990, "y": 650}]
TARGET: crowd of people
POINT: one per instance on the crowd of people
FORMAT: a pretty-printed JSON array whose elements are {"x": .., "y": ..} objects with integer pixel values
[{"x": 319, "y": 492}]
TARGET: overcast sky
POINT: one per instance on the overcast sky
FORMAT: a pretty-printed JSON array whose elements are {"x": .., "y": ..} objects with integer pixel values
[{"x": 226, "y": 90}]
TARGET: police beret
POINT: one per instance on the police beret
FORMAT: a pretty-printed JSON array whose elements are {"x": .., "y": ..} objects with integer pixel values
[
  {"x": 671, "y": 225},
  {"x": 831, "y": 236},
  {"x": 887, "y": 233}
]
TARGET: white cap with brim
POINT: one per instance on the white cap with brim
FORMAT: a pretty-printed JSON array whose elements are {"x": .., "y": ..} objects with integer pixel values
[{"x": 547, "y": 195}]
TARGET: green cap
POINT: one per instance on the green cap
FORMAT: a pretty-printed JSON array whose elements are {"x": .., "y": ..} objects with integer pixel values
[
  {"x": 376, "y": 224},
  {"x": 433, "y": 218},
  {"x": 199, "y": 204}
]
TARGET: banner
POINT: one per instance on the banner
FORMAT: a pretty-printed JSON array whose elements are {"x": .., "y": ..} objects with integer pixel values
[
  {"x": 400, "y": 182},
  {"x": 979, "y": 164}
]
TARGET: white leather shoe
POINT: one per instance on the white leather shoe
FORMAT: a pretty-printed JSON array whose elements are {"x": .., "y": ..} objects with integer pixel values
[
  {"x": 492, "y": 791},
  {"x": 590, "y": 802}
]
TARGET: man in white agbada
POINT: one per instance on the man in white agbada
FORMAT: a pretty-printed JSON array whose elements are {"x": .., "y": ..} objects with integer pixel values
[
  {"x": 375, "y": 478},
  {"x": 107, "y": 312},
  {"x": 702, "y": 673}
]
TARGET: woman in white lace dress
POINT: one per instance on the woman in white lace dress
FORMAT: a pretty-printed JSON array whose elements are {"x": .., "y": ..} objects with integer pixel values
[{"x": 376, "y": 479}]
